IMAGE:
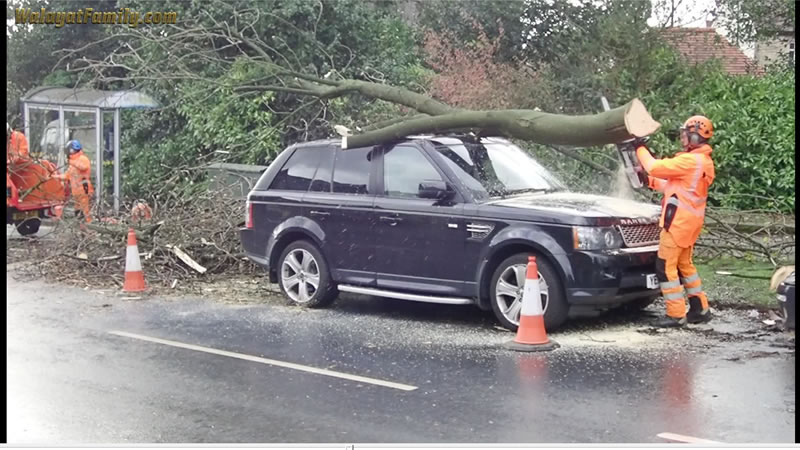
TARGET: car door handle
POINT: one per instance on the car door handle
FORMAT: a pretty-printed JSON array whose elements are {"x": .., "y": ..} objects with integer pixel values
[
  {"x": 391, "y": 220},
  {"x": 320, "y": 213}
]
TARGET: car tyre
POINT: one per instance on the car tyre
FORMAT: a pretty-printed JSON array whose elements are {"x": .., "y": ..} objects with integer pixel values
[
  {"x": 512, "y": 271},
  {"x": 303, "y": 276},
  {"x": 29, "y": 226}
]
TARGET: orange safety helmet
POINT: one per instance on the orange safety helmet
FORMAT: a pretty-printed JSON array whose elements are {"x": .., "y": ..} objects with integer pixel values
[{"x": 699, "y": 129}]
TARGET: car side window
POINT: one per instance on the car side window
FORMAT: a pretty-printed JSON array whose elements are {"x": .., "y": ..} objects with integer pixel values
[
  {"x": 322, "y": 179},
  {"x": 351, "y": 171},
  {"x": 404, "y": 168},
  {"x": 297, "y": 173}
]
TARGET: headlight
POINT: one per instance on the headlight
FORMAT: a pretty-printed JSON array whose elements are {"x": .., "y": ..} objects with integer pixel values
[
  {"x": 596, "y": 238},
  {"x": 781, "y": 298}
]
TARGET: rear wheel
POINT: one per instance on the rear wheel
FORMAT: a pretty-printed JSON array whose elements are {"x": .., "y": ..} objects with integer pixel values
[
  {"x": 29, "y": 226},
  {"x": 507, "y": 285},
  {"x": 304, "y": 277}
]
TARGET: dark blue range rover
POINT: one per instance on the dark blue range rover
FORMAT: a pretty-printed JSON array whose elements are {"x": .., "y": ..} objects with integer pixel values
[{"x": 449, "y": 219}]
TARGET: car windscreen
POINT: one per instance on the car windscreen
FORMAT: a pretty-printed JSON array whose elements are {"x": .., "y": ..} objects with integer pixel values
[{"x": 495, "y": 168}]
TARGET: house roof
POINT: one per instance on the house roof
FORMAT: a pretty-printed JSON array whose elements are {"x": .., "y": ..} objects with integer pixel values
[{"x": 698, "y": 45}]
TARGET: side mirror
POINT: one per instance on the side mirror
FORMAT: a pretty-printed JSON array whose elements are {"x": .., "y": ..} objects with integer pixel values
[{"x": 436, "y": 190}]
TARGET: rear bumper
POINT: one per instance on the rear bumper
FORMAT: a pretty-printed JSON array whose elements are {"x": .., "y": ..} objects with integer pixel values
[
  {"x": 611, "y": 278},
  {"x": 252, "y": 247}
]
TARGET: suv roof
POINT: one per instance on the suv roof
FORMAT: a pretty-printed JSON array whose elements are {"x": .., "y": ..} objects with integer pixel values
[{"x": 338, "y": 142}]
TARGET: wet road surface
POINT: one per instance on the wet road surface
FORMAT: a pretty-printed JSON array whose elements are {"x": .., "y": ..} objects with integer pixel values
[{"x": 70, "y": 380}]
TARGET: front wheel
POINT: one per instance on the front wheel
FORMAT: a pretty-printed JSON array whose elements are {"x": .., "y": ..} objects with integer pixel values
[
  {"x": 304, "y": 277},
  {"x": 507, "y": 285}
]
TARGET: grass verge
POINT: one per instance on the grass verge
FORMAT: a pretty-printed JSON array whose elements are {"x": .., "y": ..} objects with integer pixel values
[{"x": 736, "y": 292}]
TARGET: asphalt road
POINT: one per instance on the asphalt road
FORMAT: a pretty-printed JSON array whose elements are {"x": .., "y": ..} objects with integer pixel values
[{"x": 201, "y": 371}]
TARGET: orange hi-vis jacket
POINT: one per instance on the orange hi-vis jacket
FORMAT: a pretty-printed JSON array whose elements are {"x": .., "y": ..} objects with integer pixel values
[
  {"x": 684, "y": 179},
  {"x": 78, "y": 173},
  {"x": 16, "y": 147}
]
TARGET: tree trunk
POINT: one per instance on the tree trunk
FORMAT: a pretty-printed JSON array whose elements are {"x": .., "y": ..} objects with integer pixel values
[{"x": 616, "y": 125}]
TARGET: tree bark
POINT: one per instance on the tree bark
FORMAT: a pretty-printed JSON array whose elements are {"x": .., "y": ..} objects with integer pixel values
[{"x": 616, "y": 125}]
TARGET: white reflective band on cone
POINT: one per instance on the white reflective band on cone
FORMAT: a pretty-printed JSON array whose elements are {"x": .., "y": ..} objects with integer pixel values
[
  {"x": 132, "y": 263},
  {"x": 532, "y": 299}
]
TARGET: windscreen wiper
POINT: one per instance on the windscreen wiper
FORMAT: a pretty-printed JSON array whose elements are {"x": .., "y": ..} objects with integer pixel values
[{"x": 529, "y": 190}]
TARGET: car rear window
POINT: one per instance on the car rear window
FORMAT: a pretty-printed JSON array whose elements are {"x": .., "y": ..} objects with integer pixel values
[
  {"x": 351, "y": 171},
  {"x": 297, "y": 173}
]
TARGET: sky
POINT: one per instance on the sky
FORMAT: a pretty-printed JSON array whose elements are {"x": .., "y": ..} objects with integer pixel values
[{"x": 692, "y": 13}]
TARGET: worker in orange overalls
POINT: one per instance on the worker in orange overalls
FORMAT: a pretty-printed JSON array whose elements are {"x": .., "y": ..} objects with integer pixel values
[
  {"x": 16, "y": 145},
  {"x": 684, "y": 179},
  {"x": 79, "y": 175}
]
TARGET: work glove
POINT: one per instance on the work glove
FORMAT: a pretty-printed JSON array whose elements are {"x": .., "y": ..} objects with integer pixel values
[
  {"x": 641, "y": 142},
  {"x": 86, "y": 187}
]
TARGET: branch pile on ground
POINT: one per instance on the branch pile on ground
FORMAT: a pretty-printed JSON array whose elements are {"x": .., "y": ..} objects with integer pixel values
[
  {"x": 187, "y": 239},
  {"x": 741, "y": 234}
]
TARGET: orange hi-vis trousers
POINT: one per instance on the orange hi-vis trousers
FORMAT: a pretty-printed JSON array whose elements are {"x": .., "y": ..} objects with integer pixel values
[
  {"x": 676, "y": 273},
  {"x": 82, "y": 206}
]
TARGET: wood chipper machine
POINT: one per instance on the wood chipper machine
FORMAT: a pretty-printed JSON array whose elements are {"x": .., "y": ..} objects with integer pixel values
[{"x": 32, "y": 194}]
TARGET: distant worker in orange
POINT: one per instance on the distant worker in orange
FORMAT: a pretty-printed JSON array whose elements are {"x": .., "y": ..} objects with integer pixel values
[
  {"x": 79, "y": 175},
  {"x": 684, "y": 179},
  {"x": 16, "y": 145}
]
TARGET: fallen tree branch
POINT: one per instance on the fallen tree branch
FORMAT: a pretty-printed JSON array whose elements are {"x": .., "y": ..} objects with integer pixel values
[{"x": 187, "y": 259}]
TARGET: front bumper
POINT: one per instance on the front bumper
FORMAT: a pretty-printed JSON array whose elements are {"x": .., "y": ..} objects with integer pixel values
[{"x": 609, "y": 278}]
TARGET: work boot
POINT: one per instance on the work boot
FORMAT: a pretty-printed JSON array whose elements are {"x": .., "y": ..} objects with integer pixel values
[
  {"x": 696, "y": 312},
  {"x": 669, "y": 322}
]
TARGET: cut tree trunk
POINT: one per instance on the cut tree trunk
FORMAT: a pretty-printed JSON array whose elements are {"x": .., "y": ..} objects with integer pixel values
[{"x": 617, "y": 125}]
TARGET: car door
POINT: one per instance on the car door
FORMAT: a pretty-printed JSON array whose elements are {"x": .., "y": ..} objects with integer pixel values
[
  {"x": 341, "y": 202},
  {"x": 419, "y": 242}
]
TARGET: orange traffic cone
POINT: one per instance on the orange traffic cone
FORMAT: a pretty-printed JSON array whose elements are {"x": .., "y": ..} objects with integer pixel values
[
  {"x": 531, "y": 335},
  {"x": 134, "y": 277}
]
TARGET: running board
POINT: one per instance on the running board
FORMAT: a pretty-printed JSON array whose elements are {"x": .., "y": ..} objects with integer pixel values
[{"x": 405, "y": 296}]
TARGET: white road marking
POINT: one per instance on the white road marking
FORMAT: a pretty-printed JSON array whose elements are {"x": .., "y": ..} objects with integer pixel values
[
  {"x": 272, "y": 362},
  {"x": 672, "y": 437}
]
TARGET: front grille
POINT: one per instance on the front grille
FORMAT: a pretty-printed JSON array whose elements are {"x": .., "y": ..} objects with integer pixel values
[{"x": 639, "y": 235}]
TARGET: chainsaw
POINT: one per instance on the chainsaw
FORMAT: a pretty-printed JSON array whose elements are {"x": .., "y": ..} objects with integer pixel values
[{"x": 627, "y": 152}]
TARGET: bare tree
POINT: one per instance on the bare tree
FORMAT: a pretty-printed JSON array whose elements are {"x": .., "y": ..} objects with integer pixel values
[{"x": 187, "y": 47}]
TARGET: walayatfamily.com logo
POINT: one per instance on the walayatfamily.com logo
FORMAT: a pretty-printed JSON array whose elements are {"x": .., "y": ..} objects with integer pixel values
[{"x": 125, "y": 16}]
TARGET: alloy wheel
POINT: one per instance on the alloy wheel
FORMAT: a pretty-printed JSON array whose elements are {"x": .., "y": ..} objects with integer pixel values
[
  {"x": 300, "y": 275},
  {"x": 509, "y": 289}
]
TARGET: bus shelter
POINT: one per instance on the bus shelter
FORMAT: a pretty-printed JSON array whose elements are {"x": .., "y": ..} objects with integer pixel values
[{"x": 54, "y": 115}]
